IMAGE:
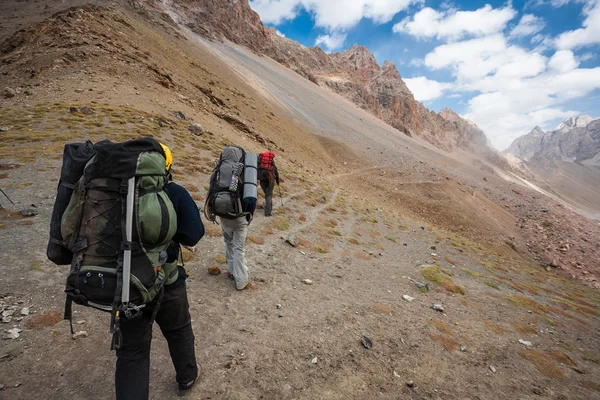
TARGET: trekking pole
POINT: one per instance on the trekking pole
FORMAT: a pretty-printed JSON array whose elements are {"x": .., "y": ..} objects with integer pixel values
[
  {"x": 7, "y": 196},
  {"x": 281, "y": 197}
]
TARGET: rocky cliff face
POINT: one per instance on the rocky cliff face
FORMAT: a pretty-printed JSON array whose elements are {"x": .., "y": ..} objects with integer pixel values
[
  {"x": 353, "y": 73},
  {"x": 576, "y": 139}
]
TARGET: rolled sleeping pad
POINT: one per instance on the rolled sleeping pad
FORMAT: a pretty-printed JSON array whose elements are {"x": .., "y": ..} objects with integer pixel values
[
  {"x": 75, "y": 158},
  {"x": 250, "y": 175}
]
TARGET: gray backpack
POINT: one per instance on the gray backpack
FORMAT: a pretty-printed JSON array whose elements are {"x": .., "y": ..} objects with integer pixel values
[{"x": 225, "y": 193}]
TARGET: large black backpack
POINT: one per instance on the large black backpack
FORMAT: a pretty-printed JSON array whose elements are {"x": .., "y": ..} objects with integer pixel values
[
  {"x": 117, "y": 225},
  {"x": 225, "y": 192}
]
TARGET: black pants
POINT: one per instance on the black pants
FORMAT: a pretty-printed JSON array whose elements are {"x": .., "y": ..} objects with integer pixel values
[
  {"x": 268, "y": 189},
  {"x": 132, "y": 376}
]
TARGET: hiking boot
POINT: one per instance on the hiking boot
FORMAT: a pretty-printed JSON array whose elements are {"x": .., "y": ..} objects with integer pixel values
[
  {"x": 249, "y": 285},
  {"x": 230, "y": 276},
  {"x": 185, "y": 388}
]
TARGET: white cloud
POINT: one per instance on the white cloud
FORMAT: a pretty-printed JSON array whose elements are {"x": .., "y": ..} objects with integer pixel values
[
  {"x": 331, "y": 14},
  {"x": 563, "y": 61},
  {"x": 425, "y": 89},
  {"x": 453, "y": 24},
  {"x": 331, "y": 42},
  {"x": 277, "y": 31},
  {"x": 528, "y": 25},
  {"x": 589, "y": 34}
]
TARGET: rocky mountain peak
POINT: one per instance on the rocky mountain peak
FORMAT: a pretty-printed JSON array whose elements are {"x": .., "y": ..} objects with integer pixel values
[{"x": 576, "y": 139}]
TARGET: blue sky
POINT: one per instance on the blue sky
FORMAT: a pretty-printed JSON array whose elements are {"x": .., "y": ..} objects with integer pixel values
[{"x": 508, "y": 66}]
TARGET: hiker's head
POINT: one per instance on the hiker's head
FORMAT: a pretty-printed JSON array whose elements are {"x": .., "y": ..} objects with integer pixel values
[{"x": 168, "y": 156}]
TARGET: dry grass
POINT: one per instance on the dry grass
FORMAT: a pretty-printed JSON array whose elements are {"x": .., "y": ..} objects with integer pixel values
[
  {"x": 362, "y": 255},
  {"x": 442, "y": 327},
  {"x": 561, "y": 357},
  {"x": 213, "y": 231},
  {"x": 321, "y": 248},
  {"x": 220, "y": 258},
  {"x": 448, "y": 343},
  {"x": 256, "y": 240},
  {"x": 437, "y": 274},
  {"x": 493, "y": 327},
  {"x": 524, "y": 328},
  {"x": 591, "y": 385},
  {"x": 543, "y": 364},
  {"x": 36, "y": 265},
  {"x": 382, "y": 309},
  {"x": 353, "y": 240},
  {"x": 282, "y": 224}
]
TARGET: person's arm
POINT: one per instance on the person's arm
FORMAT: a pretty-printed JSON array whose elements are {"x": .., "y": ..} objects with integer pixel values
[
  {"x": 276, "y": 173},
  {"x": 190, "y": 228}
]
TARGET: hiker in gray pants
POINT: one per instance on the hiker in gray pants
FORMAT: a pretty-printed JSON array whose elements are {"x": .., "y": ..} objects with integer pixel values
[{"x": 234, "y": 233}]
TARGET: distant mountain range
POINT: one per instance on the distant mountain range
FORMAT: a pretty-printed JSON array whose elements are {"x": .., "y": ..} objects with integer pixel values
[
  {"x": 575, "y": 140},
  {"x": 354, "y": 73}
]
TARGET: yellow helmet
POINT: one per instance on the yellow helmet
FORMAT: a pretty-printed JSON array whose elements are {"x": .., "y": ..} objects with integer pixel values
[{"x": 168, "y": 156}]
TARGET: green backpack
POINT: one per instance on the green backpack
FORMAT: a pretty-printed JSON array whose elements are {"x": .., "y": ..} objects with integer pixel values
[{"x": 118, "y": 224}]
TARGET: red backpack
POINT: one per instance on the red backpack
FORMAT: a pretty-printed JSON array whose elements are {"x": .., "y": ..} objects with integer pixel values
[{"x": 266, "y": 160}]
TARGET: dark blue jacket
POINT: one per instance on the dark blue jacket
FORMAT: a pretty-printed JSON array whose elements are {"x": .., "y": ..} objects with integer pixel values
[{"x": 190, "y": 228}]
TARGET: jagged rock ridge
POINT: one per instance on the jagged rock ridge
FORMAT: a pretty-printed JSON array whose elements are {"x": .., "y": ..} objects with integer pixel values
[
  {"x": 353, "y": 73},
  {"x": 576, "y": 139}
]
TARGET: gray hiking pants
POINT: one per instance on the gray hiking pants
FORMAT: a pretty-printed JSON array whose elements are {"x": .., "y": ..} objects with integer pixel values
[{"x": 234, "y": 233}]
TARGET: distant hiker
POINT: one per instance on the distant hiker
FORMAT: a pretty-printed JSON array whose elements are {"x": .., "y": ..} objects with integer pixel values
[
  {"x": 120, "y": 222},
  {"x": 268, "y": 176},
  {"x": 232, "y": 197}
]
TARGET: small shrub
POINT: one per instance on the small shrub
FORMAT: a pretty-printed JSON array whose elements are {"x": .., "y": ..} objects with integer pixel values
[
  {"x": 382, "y": 309},
  {"x": 220, "y": 258},
  {"x": 492, "y": 285},
  {"x": 391, "y": 239},
  {"x": 256, "y": 240},
  {"x": 448, "y": 343},
  {"x": 437, "y": 274}
]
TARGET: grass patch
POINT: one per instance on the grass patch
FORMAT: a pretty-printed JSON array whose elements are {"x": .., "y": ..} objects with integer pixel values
[
  {"x": 542, "y": 363},
  {"x": 319, "y": 248},
  {"x": 220, "y": 258},
  {"x": 448, "y": 343},
  {"x": 282, "y": 224},
  {"x": 592, "y": 358},
  {"x": 362, "y": 255},
  {"x": 391, "y": 239},
  {"x": 473, "y": 273},
  {"x": 353, "y": 240},
  {"x": 3, "y": 176},
  {"x": 187, "y": 255},
  {"x": 23, "y": 185},
  {"x": 591, "y": 385},
  {"x": 36, "y": 265},
  {"x": 561, "y": 357},
  {"x": 450, "y": 261},
  {"x": 524, "y": 328},
  {"x": 442, "y": 327},
  {"x": 492, "y": 285},
  {"x": 437, "y": 274},
  {"x": 493, "y": 327},
  {"x": 256, "y": 240},
  {"x": 213, "y": 231},
  {"x": 382, "y": 309}
]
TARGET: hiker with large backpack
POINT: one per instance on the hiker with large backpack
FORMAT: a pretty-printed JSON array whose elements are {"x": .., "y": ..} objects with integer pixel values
[
  {"x": 232, "y": 198},
  {"x": 268, "y": 175},
  {"x": 121, "y": 222}
]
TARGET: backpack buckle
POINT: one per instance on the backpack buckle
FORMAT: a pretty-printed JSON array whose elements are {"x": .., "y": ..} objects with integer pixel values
[{"x": 126, "y": 245}]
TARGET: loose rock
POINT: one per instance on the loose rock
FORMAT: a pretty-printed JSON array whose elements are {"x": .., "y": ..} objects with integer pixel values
[
  {"x": 410, "y": 384},
  {"x": 314, "y": 360},
  {"x": 25, "y": 311},
  {"x": 463, "y": 348},
  {"x": 438, "y": 307},
  {"x": 366, "y": 342},
  {"x": 29, "y": 212},
  {"x": 423, "y": 287},
  {"x": 307, "y": 281},
  {"x": 526, "y": 343},
  {"x": 180, "y": 115},
  {"x": 396, "y": 375},
  {"x": 292, "y": 240},
  {"x": 408, "y": 298},
  {"x": 80, "y": 334},
  {"x": 196, "y": 129},
  {"x": 8, "y": 93},
  {"x": 492, "y": 369},
  {"x": 13, "y": 333},
  {"x": 4, "y": 128}
]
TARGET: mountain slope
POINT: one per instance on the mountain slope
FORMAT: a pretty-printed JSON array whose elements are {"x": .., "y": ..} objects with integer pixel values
[
  {"x": 353, "y": 73},
  {"x": 576, "y": 139}
]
